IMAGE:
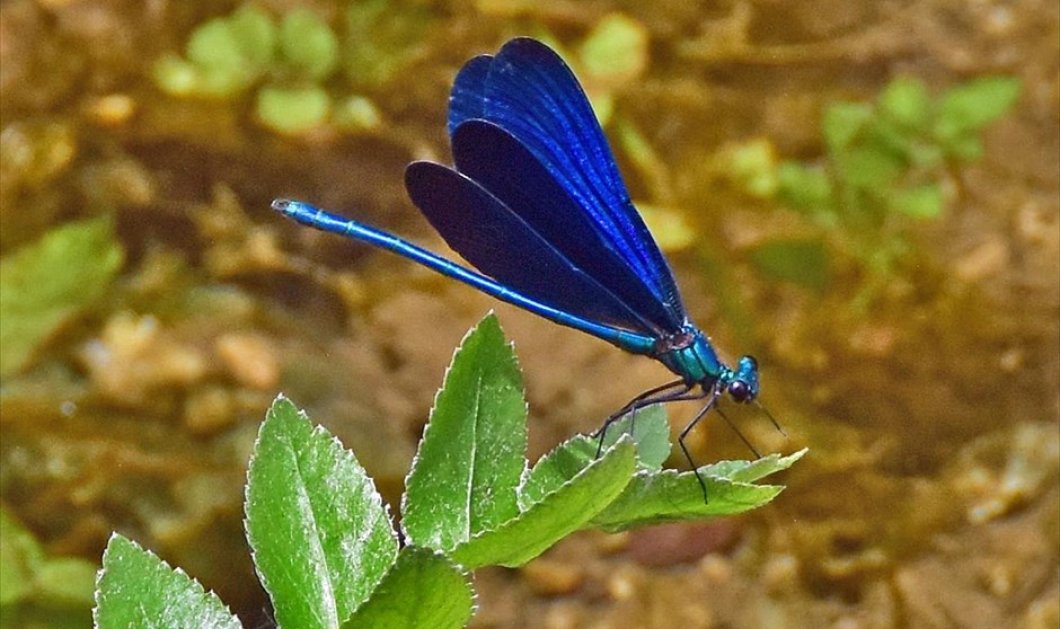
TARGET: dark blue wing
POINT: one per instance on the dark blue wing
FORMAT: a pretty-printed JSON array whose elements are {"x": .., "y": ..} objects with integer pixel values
[
  {"x": 465, "y": 99},
  {"x": 497, "y": 161},
  {"x": 528, "y": 91},
  {"x": 499, "y": 243}
]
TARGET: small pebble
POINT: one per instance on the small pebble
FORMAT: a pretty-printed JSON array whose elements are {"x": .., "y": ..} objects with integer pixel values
[
  {"x": 250, "y": 359},
  {"x": 549, "y": 577}
]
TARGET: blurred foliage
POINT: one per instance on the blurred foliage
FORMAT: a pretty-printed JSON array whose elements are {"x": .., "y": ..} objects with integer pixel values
[
  {"x": 290, "y": 62},
  {"x": 380, "y": 42},
  {"x": 886, "y": 163},
  {"x": 44, "y": 284},
  {"x": 37, "y": 589},
  {"x": 615, "y": 51}
]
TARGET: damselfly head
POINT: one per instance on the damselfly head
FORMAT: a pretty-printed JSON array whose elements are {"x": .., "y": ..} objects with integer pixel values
[{"x": 743, "y": 387}]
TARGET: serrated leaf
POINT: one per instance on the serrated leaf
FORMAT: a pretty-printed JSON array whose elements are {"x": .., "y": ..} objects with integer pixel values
[
  {"x": 422, "y": 590},
  {"x": 671, "y": 496},
  {"x": 557, "y": 515},
  {"x": 648, "y": 428},
  {"x": 471, "y": 458},
  {"x": 320, "y": 533},
  {"x": 751, "y": 471},
  {"x": 971, "y": 106},
  {"x": 45, "y": 284},
  {"x": 137, "y": 589}
]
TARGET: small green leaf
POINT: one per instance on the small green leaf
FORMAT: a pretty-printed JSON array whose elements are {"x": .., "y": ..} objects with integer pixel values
[
  {"x": 616, "y": 49},
  {"x": 66, "y": 581},
  {"x": 557, "y": 515},
  {"x": 254, "y": 33},
  {"x": 966, "y": 147},
  {"x": 47, "y": 283},
  {"x": 804, "y": 187},
  {"x": 751, "y": 471},
  {"x": 843, "y": 123},
  {"x": 357, "y": 113},
  {"x": 471, "y": 459},
  {"x": 799, "y": 261},
  {"x": 670, "y": 496},
  {"x": 975, "y": 104},
  {"x": 175, "y": 75},
  {"x": 321, "y": 536},
  {"x": 669, "y": 227},
  {"x": 422, "y": 590},
  {"x": 308, "y": 43},
  {"x": 906, "y": 102},
  {"x": 20, "y": 559},
  {"x": 293, "y": 111},
  {"x": 868, "y": 168},
  {"x": 647, "y": 427},
  {"x": 923, "y": 201},
  {"x": 650, "y": 432},
  {"x": 137, "y": 589},
  {"x": 753, "y": 167},
  {"x": 215, "y": 45}
]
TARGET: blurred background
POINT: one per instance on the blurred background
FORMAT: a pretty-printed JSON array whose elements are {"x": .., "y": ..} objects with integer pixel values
[{"x": 864, "y": 195}]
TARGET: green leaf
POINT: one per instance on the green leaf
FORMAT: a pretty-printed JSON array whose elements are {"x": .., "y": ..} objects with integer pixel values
[
  {"x": 648, "y": 428},
  {"x": 225, "y": 56},
  {"x": 26, "y": 575},
  {"x": 966, "y": 147},
  {"x": 293, "y": 111},
  {"x": 868, "y": 168},
  {"x": 321, "y": 536},
  {"x": 843, "y": 123},
  {"x": 753, "y": 167},
  {"x": 422, "y": 590},
  {"x": 668, "y": 226},
  {"x": 309, "y": 44},
  {"x": 175, "y": 75},
  {"x": 671, "y": 496},
  {"x": 357, "y": 113},
  {"x": 66, "y": 581},
  {"x": 214, "y": 45},
  {"x": 975, "y": 104},
  {"x": 557, "y": 515},
  {"x": 20, "y": 559},
  {"x": 906, "y": 102},
  {"x": 137, "y": 589},
  {"x": 47, "y": 283},
  {"x": 616, "y": 49},
  {"x": 751, "y": 471},
  {"x": 804, "y": 187},
  {"x": 923, "y": 201},
  {"x": 254, "y": 33},
  {"x": 799, "y": 261},
  {"x": 471, "y": 458}
]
